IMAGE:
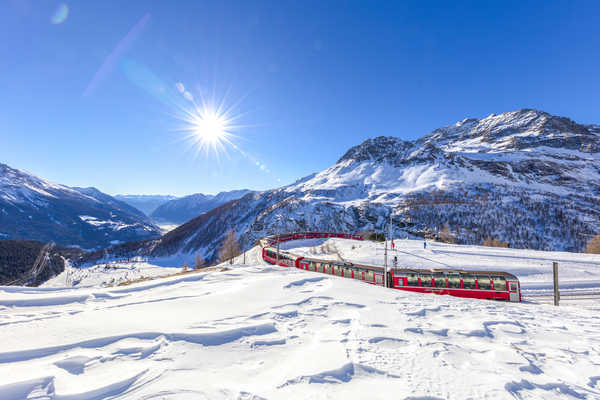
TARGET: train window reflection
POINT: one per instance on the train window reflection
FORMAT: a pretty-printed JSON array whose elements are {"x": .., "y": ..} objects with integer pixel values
[
  {"x": 499, "y": 283},
  {"x": 468, "y": 282},
  {"x": 412, "y": 280},
  {"x": 440, "y": 280},
  {"x": 426, "y": 280},
  {"x": 484, "y": 282},
  {"x": 454, "y": 281}
]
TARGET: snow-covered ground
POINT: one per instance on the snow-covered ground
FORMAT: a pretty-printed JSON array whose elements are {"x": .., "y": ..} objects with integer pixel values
[
  {"x": 108, "y": 274},
  {"x": 258, "y": 331}
]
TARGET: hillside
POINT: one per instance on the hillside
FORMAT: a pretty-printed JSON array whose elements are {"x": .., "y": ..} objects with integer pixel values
[
  {"x": 525, "y": 177},
  {"x": 34, "y": 209}
]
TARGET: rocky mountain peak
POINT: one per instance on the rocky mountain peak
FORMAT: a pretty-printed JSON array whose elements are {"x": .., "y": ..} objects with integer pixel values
[
  {"x": 377, "y": 149},
  {"x": 517, "y": 130}
]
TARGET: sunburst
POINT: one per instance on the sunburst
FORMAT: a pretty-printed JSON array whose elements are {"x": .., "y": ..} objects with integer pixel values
[{"x": 209, "y": 126}]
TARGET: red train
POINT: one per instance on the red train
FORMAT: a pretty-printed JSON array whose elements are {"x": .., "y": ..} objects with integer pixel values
[{"x": 460, "y": 283}]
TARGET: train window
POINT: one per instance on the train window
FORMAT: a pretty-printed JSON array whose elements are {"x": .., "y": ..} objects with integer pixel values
[
  {"x": 468, "y": 282},
  {"x": 425, "y": 280},
  {"x": 338, "y": 270},
  {"x": 484, "y": 282},
  {"x": 412, "y": 279},
  {"x": 347, "y": 273},
  {"x": 454, "y": 281},
  {"x": 499, "y": 283},
  {"x": 369, "y": 276},
  {"x": 440, "y": 280},
  {"x": 513, "y": 287}
]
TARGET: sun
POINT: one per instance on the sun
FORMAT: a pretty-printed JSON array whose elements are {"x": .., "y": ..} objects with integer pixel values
[{"x": 209, "y": 129}]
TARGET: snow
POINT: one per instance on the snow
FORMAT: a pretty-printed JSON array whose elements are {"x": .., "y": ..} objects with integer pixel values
[
  {"x": 107, "y": 274},
  {"x": 114, "y": 225},
  {"x": 259, "y": 331}
]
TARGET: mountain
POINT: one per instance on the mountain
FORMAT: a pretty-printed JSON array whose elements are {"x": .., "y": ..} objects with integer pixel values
[
  {"x": 35, "y": 209},
  {"x": 189, "y": 207},
  {"x": 526, "y": 177},
  {"x": 145, "y": 203}
]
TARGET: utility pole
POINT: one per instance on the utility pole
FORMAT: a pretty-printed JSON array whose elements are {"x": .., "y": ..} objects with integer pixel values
[
  {"x": 243, "y": 247},
  {"x": 385, "y": 261},
  {"x": 277, "y": 249},
  {"x": 556, "y": 292},
  {"x": 391, "y": 233}
]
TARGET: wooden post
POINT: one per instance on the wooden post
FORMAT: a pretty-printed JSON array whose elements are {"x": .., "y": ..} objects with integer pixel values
[
  {"x": 556, "y": 292},
  {"x": 278, "y": 249},
  {"x": 243, "y": 248}
]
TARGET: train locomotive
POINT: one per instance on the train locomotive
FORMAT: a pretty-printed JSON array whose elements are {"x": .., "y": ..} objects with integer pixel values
[{"x": 454, "y": 282}]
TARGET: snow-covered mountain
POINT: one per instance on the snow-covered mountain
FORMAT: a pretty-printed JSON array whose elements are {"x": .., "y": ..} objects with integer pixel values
[
  {"x": 189, "y": 207},
  {"x": 145, "y": 203},
  {"x": 33, "y": 208},
  {"x": 525, "y": 177}
]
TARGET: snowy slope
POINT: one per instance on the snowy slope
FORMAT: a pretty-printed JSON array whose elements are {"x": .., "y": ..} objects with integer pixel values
[
  {"x": 260, "y": 331},
  {"x": 33, "y": 208}
]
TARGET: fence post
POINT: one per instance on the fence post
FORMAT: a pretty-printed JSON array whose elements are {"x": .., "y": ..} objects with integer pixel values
[{"x": 556, "y": 292}]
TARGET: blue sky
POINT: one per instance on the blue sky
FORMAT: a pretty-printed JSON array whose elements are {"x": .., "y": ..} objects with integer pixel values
[{"x": 89, "y": 98}]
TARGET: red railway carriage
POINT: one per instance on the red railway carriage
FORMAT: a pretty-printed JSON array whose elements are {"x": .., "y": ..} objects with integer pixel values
[
  {"x": 474, "y": 284},
  {"x": 285, "y": 259}
]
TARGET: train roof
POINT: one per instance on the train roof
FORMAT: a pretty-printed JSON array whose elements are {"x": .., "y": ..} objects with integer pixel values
[
  {"x": 414, "y": 270},
  {"x": 454, "y": 271}
]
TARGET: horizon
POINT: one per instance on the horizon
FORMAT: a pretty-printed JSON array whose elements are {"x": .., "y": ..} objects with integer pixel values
[{"x": 96, "y": 94}]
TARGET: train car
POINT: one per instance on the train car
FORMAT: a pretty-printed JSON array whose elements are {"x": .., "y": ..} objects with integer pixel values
[
  {"x": 286, "y": 259},
  {"x": 365, "y": 273},
  {"x": 473, "y": 284}
]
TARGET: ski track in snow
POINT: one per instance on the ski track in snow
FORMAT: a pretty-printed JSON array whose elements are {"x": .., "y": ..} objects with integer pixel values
[{"x": 264, "y": 332}]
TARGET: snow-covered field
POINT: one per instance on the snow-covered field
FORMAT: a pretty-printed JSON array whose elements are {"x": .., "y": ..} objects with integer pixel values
[{"x": 260, "y": 331}]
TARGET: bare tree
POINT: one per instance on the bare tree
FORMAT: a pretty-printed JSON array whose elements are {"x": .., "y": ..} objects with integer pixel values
[
  {"x": 446, "y": 236},
  {"x": 230, "y": 248},
  {"x": 200, "y": 262},
  {"x": 493, "y": 242},
  {"x": 593, "y": 247}
]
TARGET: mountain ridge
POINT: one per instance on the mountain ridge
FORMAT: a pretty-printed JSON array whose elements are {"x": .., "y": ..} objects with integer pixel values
[
  {"x": 33, "y": 208},
  {"x": 183, "y": 209}
]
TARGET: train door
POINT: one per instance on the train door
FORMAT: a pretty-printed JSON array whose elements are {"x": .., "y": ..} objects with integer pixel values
[{"x": 513, "y": 289}]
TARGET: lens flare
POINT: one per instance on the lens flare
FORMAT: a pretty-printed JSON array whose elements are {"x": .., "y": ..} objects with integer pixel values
[{"x": 60, "y": 14}]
